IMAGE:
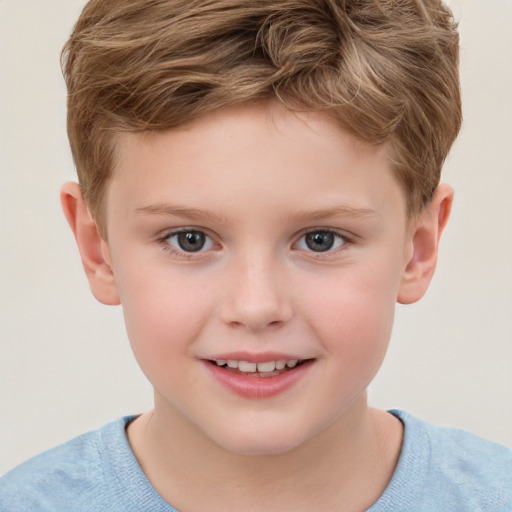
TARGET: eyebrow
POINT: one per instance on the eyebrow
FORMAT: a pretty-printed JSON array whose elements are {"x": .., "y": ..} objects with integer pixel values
[
  {"x": 313, "y": 215},
  {"x": 178, "y": 211},
  {"x": 339, "y": 211}
]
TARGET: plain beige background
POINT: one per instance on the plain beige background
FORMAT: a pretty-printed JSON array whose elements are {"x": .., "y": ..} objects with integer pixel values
[{"x": 65, "y": 363}]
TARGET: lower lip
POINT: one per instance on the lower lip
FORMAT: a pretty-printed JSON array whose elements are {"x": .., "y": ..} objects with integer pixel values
[{"x": 258, "y": 387}]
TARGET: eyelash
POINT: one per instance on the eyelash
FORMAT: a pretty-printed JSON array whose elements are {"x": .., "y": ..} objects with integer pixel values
[
  {"x": 164, "y": 241},
  {"x": 341, "y": 239}
]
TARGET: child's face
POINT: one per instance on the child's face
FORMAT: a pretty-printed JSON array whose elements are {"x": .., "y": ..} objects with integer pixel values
[{"x": 257, "y": 235}]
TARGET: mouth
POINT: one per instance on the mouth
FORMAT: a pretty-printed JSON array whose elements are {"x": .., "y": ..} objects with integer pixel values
[
  {"x": 258, "y": 375},
  {"x": 272, "y": 368}
]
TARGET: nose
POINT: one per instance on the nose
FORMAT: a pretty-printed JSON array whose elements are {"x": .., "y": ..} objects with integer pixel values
[{"x": 256, "y": 295}]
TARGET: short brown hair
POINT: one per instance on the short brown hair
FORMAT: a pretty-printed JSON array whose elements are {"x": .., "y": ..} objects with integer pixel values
[{"x": 386, "y": 69}]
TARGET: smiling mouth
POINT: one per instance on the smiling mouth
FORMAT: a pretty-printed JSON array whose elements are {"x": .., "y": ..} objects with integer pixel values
[{"x": 263, "y": 369}]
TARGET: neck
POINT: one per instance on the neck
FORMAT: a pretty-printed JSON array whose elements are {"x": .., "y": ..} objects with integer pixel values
[{"x": 346, "y": 467}]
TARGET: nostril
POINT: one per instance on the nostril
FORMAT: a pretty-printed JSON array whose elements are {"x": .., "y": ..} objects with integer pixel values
[{"x": 256, "y": 306}]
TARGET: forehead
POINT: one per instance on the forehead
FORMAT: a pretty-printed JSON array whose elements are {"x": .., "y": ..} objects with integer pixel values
[
  {"x": 269, "y": 113},
  {"x": 265, "y": 126},
  {"x": 256, "y": 150}
]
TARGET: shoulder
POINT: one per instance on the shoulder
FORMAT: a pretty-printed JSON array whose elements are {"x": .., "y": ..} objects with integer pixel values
[
  {"x": 66, "y": 478},
  {"x": 469, "y": 466},
  {"x": 456, "y": 450},
  {"x": 453, "y": 469}
]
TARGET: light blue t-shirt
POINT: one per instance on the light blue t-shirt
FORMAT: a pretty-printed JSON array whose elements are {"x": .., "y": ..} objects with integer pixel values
[{"x": 439, "y": 470}]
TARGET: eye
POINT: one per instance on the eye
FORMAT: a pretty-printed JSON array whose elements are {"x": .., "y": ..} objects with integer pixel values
[
  {"x": 189, "y": 241},
  {"x": 321, "y": 241}
]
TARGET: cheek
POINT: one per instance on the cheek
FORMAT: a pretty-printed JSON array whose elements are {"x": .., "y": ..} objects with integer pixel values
[
  {"x": 360, "y": 331},
  {"x": 163, "y": 316},
  {"x": 353, "y": 318}
]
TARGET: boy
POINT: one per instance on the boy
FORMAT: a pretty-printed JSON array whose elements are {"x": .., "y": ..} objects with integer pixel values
[{"x": 258, "y": 187}]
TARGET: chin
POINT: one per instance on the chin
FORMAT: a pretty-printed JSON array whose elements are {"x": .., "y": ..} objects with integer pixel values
[
  {"x": 260, "y": 447},
  {"x": 261, "y": 441}
]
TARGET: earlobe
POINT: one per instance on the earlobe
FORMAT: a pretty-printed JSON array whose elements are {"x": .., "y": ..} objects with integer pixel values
[
  {"x": 93, "y": 249},
  {"x": 425, "y": 237}
]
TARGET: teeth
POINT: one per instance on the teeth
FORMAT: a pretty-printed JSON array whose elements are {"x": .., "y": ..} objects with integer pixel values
[
  {"x": 280, "y": 364},
  {"x": 264, "y": 367},
  {"x": 244, "y": 366},
  {"x": 267, "y": 367}
]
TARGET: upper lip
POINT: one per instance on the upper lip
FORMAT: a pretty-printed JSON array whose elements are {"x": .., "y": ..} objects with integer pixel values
[{"x": 253, "y": 357}]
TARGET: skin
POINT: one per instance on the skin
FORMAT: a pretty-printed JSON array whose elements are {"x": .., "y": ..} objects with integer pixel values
[{"x": 255, "y": 179}]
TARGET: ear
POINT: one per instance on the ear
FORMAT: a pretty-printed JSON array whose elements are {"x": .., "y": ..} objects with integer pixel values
[
  {"x": 93, "y": 249},
  {"x": 426, "y": 233}
]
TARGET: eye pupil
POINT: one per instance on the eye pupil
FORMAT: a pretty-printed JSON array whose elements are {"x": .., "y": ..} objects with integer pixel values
[
  {"x": 191, "y": 241},
  {"x": 320, "y": 241}
]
